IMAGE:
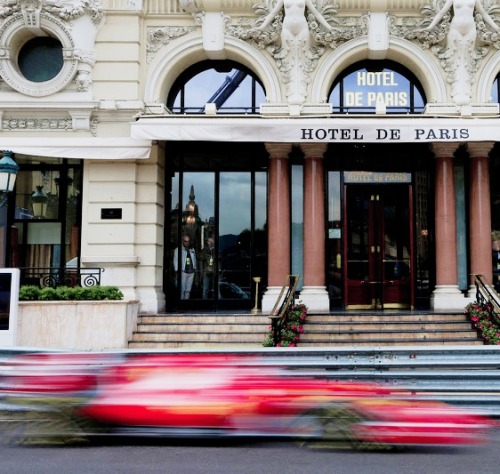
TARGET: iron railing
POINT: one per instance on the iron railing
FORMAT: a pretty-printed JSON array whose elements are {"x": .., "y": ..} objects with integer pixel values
[
  {"x": 54, "y": 277},
  {"x": 487, "y": 298}
]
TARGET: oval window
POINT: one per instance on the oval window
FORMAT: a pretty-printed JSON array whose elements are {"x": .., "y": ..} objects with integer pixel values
[{"x": 41, "y": 59}]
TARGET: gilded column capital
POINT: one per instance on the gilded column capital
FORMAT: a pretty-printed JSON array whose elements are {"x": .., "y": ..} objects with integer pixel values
[
  {"x": 445, "y": 149},
  {"x": 313, "y": 150},
  {"x": 278, "y": 150},
  {"x": 479, "y": 149}
]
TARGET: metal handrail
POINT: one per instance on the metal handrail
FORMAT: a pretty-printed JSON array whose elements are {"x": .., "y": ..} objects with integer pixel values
[
  {"x": 487, "y": 298},
  {"x": 55, "y": 276}
]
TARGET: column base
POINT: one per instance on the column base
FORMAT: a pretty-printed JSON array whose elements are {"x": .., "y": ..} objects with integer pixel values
[
  {"x": 315, "y": 298},
  {"x": 269, "y": 298},
  {"x": 448, "y": 297}
]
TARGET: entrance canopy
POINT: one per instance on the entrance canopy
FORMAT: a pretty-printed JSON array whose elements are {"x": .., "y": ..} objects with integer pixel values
[
  {"x": 116, "y": 148},
  {"x": 395, "y": 129}
]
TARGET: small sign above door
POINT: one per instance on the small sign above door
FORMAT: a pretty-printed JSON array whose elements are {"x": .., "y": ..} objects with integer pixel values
[{"x": 375, "y": 177}]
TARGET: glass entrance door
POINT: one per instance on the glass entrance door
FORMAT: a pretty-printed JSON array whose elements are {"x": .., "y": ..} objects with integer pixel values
[
  {"x": 378, "y": 247},
  {"x": 218, "y": 239}
]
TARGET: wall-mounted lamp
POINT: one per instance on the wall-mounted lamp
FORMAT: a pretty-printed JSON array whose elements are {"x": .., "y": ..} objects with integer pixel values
[
  {"x": 39, "y": 202},
  {"x": 8, "y": 172}
]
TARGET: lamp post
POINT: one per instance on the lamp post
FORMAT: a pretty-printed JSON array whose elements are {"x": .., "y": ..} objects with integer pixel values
[{"x": 8, "y": 172}]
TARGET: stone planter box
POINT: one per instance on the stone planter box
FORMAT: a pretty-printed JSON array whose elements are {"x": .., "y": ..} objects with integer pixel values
[{"x": 76, "y": 325}]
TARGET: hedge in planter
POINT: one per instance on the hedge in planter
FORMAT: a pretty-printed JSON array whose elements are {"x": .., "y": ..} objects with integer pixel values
[{"x": 67, "y": 293}]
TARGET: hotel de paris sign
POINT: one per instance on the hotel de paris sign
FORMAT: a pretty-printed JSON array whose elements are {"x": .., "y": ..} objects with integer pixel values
[{"x": 368, "y": 89}]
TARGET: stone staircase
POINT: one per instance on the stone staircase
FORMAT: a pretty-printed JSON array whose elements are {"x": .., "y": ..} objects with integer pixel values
[
  {"x": 199, "y": 330},
  {"x": 338, "y": 329},
  {"x": 388, "y": 329}
]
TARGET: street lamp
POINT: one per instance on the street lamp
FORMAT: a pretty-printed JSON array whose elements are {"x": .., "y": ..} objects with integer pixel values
[{"x": 8, "y": 173}]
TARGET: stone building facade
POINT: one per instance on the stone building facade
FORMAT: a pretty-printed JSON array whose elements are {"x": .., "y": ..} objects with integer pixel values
[{"x": 353, "y": 143}]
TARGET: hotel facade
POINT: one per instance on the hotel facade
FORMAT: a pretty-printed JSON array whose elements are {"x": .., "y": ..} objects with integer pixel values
[{"x": 352, "y": 143}]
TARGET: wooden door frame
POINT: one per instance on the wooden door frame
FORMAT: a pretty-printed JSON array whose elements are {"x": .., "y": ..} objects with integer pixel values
[{"x": 377, "y": 188}]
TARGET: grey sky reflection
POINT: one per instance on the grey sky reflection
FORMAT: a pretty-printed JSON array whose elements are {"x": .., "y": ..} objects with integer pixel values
[{"x": 235, "y": 198}]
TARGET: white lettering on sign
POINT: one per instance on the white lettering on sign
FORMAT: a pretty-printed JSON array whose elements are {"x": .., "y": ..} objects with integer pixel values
[
  {"x": 383, "y": 78},
  {"x": 371, "y": 97}
]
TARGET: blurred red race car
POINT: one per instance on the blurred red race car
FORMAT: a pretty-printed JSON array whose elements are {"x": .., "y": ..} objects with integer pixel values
[{"x": 218, "y": 395}]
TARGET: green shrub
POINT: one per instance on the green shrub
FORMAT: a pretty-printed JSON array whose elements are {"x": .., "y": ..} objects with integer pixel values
[
  {"x": 66, "y": 293},
  {"x": 48, "y": 293},
  {"x": 29, "y": 293}
]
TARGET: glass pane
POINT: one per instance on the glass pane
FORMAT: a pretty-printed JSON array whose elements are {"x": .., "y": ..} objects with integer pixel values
[
  {"x": 260, "y": 233},
  {"x": 397, "y": 237},
  {"x": 197, "y": 215},
  {"x": 235, "y": 235},
  {"x": 297, "y": 243},
  {"x": 72, "y": 217},
  {"x": 37, "y": 195},
  {"x": 365, "y": 89},
  {"x": 43, "y": 244},
  {"x": 234, "y": 91},
  {"x": 334, "y": 238},
  {"x": 357, "y": 238}
]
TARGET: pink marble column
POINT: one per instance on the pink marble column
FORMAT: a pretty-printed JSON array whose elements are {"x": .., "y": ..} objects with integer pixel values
[
  {"x": 278, "y": 214},
  {"x": 480, "y": 212},
  {"x": 314, "y": 294},
  {"x": 446, "y": 294},
  {"x": 314, "y": 215}
]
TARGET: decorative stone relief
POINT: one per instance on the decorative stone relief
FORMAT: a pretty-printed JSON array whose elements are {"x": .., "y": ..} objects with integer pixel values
[
  {"x": 36, "y": 124},
  {"x": 158, "y": 37},
  {"x": 67, "y": 10},
  {"x": 74, "y": 23},
  {"x": 296, "y": 33},
  {"x": 459, "y": 33}
]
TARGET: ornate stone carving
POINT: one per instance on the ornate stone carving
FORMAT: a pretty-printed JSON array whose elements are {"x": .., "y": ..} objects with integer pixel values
[
  {"x": 158, "y": 37},
  {"x": 68, "y": 21},
  {"x": 36, "y": 124},
  {"x": 460, "y": 40},
  {"x": 65, "y": 10},
  {"x": 296, "y": 34}
]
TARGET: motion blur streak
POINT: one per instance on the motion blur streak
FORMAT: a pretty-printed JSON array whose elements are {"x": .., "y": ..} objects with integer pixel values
[{"x": 73, "y": 397}]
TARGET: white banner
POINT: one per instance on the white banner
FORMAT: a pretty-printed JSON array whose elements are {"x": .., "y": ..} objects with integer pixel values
[{"x": 329, "y": 130}]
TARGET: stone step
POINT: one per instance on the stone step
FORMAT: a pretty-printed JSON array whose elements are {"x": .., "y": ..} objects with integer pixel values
[
  {"x": 385, "y": 317},
  {"x": 313, "y": 327},
  {"x": 203, "y": 318},
  {"x": 335, "y": 329},
  {"x": 388, "y": 342},
  {"x": 415, "y": 335},
  {"x": 198, "y": 336},
  {"x": 207, "y": 328}
]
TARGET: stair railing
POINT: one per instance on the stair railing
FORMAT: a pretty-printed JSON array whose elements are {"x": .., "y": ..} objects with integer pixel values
[
  {"x": 285, "y": 299},
  {"x": 487, "y": 298}
]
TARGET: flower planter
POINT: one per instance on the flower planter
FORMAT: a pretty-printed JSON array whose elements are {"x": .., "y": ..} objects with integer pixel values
[{"x": 76, "y": 325}]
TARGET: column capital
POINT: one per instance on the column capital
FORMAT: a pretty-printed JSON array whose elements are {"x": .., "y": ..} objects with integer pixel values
[
  {"x": 479, "y": 149},
  {"x": 313, "y": 150},
  {"x": 278, "y": 150},
  {"x": 445, "y": 149}
]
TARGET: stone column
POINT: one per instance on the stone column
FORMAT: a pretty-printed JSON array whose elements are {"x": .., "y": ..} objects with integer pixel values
[
  {"x": 314, "y": 294},
  {"x": 480, "y": 214},
  {"x": 278, "y": 248},
  {"x": 446, "y": 294}
]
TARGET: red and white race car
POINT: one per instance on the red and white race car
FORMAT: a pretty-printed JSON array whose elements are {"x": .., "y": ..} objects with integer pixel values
[{"x": 83, "y": 395}]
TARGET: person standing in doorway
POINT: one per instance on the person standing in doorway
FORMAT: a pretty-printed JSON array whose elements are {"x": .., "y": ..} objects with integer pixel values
[
  {"x": 208, "y": 266},
  {"x": 188, "y": 266}
]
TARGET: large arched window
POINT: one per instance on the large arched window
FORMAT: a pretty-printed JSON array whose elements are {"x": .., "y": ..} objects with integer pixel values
[
  {"x": 369, "y": 87},
  {"x": 233, "y": 88}
]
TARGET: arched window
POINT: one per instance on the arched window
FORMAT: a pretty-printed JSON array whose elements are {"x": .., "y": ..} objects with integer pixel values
[
  {"x": 369, "y": 87},
  {"x": 233, "y": 88}
]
